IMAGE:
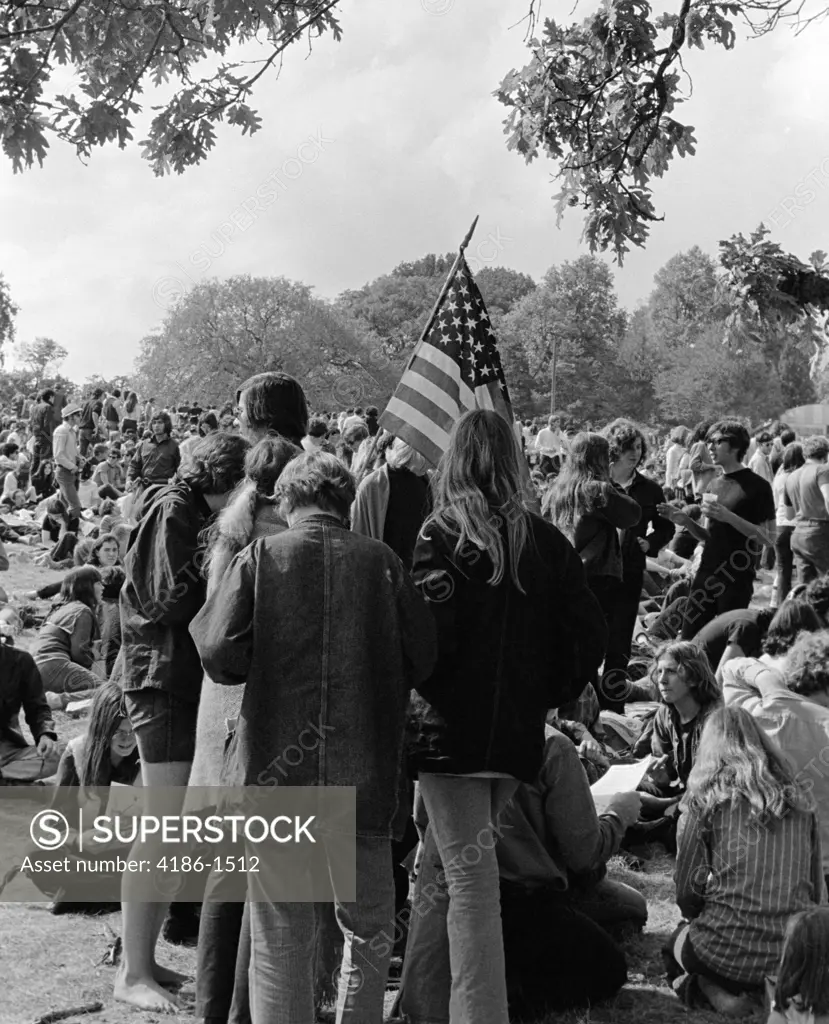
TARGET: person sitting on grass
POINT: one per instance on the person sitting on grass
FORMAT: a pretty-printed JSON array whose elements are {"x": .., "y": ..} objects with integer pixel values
[
  {"x": 105, "y": 552},
  {"x": 689, "y": 692},
  {"x": 21, "y": 688},
  {"x": 800, "y": 993},
  {"x": 748, "y": 858},
  {"x": 66, "y": 645},
  {"x": 560, "y": 914},
  {"x": 789, "y": 697}
]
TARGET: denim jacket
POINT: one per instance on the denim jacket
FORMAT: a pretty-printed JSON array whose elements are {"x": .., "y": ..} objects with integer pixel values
[{"x": 330, "y": 635}]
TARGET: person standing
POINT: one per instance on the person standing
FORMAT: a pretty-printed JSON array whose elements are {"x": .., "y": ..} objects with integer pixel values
[
  {"x": 628, "y": 450},
  {"x": 90, "y": 418},
  {"x": 281, "y": 604},
  {"x": 66, "y": 462},
  {"x": 673, "y": 456},
  {"x": 700, "y": 463},
  {"x": 784, "y": 558},
  {"x": 738, "y": 517},
  {"x": 807, "y": 493},
  {"x": 41, "y": 425},
  {"x": 591, "y": 510},
  {"x": 161, "y": 673},
  {"x": 759, "y": 462},
  {"x": 495, "y": 576}
]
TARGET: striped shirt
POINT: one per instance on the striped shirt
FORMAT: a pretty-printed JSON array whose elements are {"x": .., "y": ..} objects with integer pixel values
[{"x": 739, "y": 881}]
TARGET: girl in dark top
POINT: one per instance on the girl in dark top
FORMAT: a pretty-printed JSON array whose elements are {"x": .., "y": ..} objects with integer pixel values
[
  {"x": 129, "y": 424},
  {"x": 628, "y": 450},
  {"x": 590, "y": 510},
  {"x": 109, "y": 615},
  {"x": 498, "y": 579}
]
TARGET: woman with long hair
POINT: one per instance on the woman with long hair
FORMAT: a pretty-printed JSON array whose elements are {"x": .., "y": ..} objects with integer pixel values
[
  {"x": 129, "y": 424},
  {"x": 250, "y": 514},
  {"x": 749, "y": 858},
  {"x": 107, "y": 752},
  {"x": 66, "y": 645},
  {"x": 590, "y": 510},
  {"x": 224, "y": 936},
  {"x": 700, "y": 462},
  {"x": 800, "y": 994},
  {"x": 105, "y": 552},
  {"x": 793, "y": 459},
  {"x": 496, "y": 576}
]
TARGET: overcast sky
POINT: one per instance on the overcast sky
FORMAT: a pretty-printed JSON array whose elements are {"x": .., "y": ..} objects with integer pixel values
[{"x": 386, "y": 145}]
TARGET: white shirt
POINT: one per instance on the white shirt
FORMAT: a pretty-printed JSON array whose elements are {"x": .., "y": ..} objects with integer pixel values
[
  {"x": 549, "y": 439},
  {"x": 65, "y": 447}
]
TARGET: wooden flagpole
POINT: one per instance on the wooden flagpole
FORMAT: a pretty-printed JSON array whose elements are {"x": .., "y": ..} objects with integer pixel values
[{"x": 444, "y": 290}]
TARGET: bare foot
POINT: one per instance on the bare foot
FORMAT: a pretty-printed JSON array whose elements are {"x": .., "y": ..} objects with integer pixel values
[
  {"x": 167, "y": 977},
  {"x": 724, "y": 1002},
  {"x": 145, "y": 993}
]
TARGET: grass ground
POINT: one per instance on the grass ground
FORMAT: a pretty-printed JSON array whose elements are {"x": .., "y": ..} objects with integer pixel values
[{"x": 50, "y": 963}]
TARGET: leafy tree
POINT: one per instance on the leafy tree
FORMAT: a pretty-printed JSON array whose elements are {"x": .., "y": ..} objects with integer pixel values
[
  {"x": 571, "y": 319},
  {"x": 41, "y": 358},
  {"x": 110, "y": 384},
  {"x": 796, "y": 384},
  {"x": 706, "y": 378},
  {"x": 8, "y": 311},
  {"x": 600, "y": 98},
  {"x": 396, "y": 306},
  {"x": 115, "y": 51},
  {"x": 222, "y": 332}
]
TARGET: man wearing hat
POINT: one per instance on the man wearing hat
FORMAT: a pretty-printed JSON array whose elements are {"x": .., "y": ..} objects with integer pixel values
[{"x": 65, "y": 448}]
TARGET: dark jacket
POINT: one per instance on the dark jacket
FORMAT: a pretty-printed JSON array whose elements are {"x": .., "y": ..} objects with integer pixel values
[
  {"x": 596, "y": 537},
  {"x": 22, "y": 688},
  {"x": 329, "y": 634},
  {"x": 648, "y": 494},
  {"x": 163, "y": 591},
  {"x": 155, "y": 462},
  {"x": 504, "y": 658},
  {"x": 41, "y": 423}
]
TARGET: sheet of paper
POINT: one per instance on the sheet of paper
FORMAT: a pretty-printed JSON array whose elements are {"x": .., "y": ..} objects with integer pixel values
[{"x": 620, "y": 778}]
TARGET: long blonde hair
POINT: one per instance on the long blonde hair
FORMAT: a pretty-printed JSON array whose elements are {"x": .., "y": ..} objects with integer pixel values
[
  {"x": 737, "y": 761},
  {"x": 233, "y": 529},
  {"x": 478, "y": 492}
]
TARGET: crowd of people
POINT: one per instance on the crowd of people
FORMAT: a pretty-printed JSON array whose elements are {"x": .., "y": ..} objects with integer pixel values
[{"x": 478, "y": 644}]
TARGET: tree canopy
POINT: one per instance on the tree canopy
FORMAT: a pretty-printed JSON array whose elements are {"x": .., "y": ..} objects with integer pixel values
[
  {"x": 222, "y": 332},
  {"x": 600, "y": 98},
  {"x": 8, "y": 311},
  {"x": 115, "y": 51}
]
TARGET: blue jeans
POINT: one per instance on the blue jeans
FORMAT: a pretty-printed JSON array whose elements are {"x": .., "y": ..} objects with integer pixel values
[
  {"x": 462, "y": 811},
  {"x": 283, "y": 939}
]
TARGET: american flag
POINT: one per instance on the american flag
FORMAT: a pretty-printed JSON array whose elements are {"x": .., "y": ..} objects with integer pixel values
[{"x": 455, "y": 367}]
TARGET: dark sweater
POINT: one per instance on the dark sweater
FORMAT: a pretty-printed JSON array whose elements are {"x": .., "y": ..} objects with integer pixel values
[
  {"x": 596, "y": 537},
  {"x": 504, "y": 657}
]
